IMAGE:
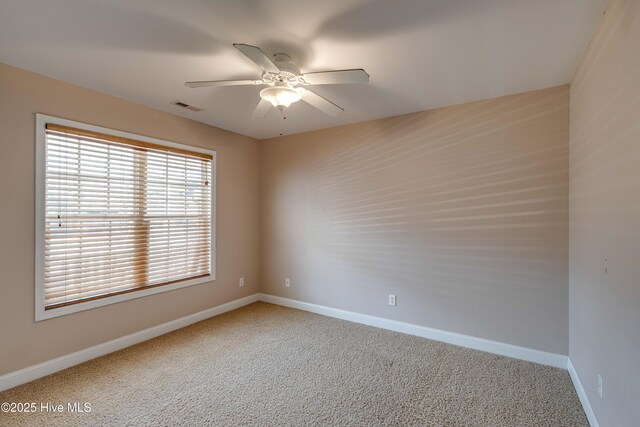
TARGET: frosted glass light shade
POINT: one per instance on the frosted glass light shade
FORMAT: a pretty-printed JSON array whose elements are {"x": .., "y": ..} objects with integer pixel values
[{"x": 280, "y": 97}]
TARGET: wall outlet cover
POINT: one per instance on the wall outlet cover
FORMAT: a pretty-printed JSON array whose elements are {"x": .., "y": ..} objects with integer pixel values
[{"x": 600, "y": 386}]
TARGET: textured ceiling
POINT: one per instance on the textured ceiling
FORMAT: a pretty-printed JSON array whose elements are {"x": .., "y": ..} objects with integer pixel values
[{"x": 421, "y": 54}]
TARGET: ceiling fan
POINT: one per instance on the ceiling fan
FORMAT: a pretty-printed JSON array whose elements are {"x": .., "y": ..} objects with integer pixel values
[{"x": 285, "y": 83}]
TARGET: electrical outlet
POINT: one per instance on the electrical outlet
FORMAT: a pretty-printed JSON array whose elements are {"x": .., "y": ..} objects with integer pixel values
[
  {"x": 600, "y": 386},
  {"x": 392, "y": 299},
  {"x": 287, "y": 282},
  {"x": 241, "y": 281}
]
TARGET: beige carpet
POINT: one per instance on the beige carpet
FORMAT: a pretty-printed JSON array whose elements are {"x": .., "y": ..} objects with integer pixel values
[{"x": 272, "y": 366}]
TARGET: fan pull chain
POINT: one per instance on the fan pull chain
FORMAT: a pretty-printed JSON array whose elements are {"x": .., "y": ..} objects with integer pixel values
[{"x": 283, "y": 118}]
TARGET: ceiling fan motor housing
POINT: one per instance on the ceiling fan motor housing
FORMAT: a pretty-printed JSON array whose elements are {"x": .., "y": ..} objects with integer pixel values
[{"x": 289, "y": 72}]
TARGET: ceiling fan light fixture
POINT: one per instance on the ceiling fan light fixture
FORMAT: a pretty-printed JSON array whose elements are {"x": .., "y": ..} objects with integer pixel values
[
  {"x": 286, "y": 84},
  {"x": 281, "y": 97}
]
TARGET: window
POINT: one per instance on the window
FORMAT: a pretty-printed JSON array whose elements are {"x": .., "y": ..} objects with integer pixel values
[{"x": 119, "y": 216}]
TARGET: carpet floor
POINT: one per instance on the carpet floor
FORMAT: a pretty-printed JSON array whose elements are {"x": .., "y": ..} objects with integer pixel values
[{"x": 267, "y": 365}]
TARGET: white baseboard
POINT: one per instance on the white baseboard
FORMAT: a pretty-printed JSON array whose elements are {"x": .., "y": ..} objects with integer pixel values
[
  {"x": 588, "y": 410},
  {"x": 49, "y": 367},
  {"x": 503, "y": 349}
]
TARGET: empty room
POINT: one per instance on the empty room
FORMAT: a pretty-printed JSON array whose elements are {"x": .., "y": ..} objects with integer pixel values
[{"x": 320, "y": 213}]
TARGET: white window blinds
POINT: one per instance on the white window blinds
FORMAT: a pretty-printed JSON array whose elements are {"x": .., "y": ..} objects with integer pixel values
[{"x": 122, "y": 215}]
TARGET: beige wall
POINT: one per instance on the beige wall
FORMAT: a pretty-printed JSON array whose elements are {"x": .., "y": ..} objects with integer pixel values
[
  {"x": 605, "y": 217},
  {"x": 461, "y": 212},
  {"x": 24, "y": 342}
]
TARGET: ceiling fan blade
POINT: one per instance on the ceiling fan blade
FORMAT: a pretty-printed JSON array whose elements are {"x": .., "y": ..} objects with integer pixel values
[
  {"x": 321, "y": 104},
  {"x": 257, "y": 56},
  {"x": 214, "y": 83},
  {"x": 262, "y": 109},
  {"x": 337, "y": 77}
]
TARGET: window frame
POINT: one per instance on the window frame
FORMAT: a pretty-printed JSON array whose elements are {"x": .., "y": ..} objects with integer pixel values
[{"x": 40, "y": 221}]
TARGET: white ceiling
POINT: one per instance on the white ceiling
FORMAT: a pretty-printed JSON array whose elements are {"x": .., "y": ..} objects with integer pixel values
[{"x": 421, "y": 54}]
